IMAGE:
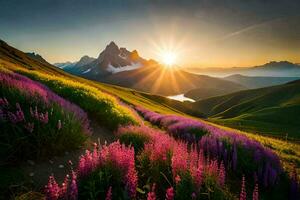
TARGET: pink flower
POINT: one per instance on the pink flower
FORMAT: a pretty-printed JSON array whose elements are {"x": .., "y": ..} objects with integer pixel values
[
  {"x": 179, "y": 159},
  {"x": 131, "y": 182},
  {"x": 194, "y": 196},
  {"x": 121, "y": 156},
  {"x": 64, "y": 187},
  {"x": 222, "y": 174},
  {"x": 243, "y": 194},
  {"x": 73, "y": 192},
  {"x": 52, "y": 189},
  {"x": 170, "y": 193},
  {"x": 19, "y": 113},
  {"x": 151, "y": 195},
  {"x": 29, "y": 126},
  {"x": 109, "y": 194},
  {"x": 255, "y": 192},
  {"x": 177, "y": 179}
]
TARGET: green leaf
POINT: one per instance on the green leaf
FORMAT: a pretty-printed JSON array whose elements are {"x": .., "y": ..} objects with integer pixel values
[{"x": 139, "y": 190}]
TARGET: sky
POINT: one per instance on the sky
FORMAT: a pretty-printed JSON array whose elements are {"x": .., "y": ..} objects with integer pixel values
[{"x": 202, "y": 33}]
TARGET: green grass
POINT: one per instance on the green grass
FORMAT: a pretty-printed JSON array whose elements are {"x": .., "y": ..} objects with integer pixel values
[
  {"x": 104, "y": 107},
  {"x": 271, "y": 111}
]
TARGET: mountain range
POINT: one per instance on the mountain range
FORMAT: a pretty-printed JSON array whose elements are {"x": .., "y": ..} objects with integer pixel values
[
  {"x": 126, "y": 68},
  {"x": 273, "y": 68},
  {"x": 111, "y": 60},
  {"x": 253, "y": 82}
]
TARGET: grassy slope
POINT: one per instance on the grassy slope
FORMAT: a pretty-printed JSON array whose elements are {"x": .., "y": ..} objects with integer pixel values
[
  {"x": 272, "y": 110},
  {"x": 289, "y": 152}
]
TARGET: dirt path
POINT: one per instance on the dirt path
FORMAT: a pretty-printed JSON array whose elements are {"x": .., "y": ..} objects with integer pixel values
[{"x": 37, "y": 172}]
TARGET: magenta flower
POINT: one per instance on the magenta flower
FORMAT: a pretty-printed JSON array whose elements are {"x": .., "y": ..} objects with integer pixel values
[
  {"x": 219, "y": 144},
  {"x": 255, "y": 193},
  {"x": 243, "y": 194},
  {"x": 31, "y": 89},
  {"x": 73, "y": 192},
  {"x": 222, "y": 175},
  {"x": 151, "y": 195},
  {"x": 170, "y": 193},
  {"x": 177, "y": 179},
  {"x": 52, "y": 189},
  {"x": 64, "y": 187},
  {"x": 29, "y": 126},
  {"x": 109, "y": 194}
]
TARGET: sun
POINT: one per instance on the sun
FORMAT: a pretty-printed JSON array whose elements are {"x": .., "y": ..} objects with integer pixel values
[
  {"x": 169, "y": 51},
  {"x": 169, "y": 58}
]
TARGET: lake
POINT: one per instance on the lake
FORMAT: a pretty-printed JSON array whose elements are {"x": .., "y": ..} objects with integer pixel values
[{"x": 181, "y": 97}]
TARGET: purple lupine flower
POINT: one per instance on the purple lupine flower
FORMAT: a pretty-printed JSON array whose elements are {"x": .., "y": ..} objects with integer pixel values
[
  {"x": 294, "y": 185},
  {"x": 234, "y": 157},
  {"x": 212, "y": 142},
  {"x": 32, "y": 88},
  {"x": 73, "y": 192}
]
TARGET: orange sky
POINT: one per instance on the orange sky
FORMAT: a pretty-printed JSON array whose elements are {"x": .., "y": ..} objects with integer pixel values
[{"x": 202, "y": 33}]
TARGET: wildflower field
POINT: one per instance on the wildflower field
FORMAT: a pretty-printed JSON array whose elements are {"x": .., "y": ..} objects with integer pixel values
[
  {"x": 35, "y": 122},
  {"x": 176, "y": 163},
  {"x": 154, "y": 156}
]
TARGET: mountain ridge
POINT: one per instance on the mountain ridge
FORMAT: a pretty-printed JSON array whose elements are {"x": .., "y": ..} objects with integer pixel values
[
  {"x": 272, "y": 68},
  {"x": 122, "y": 67},
  {"x": 253, "y": 82}
]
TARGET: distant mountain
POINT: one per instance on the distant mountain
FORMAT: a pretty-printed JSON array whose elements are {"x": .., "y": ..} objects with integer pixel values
[
  {"x": 159, "y": 80},
  {"x": 271, "y": 110},
  {"x": 70, "y": 66},
  {"x": 111, "y": 60},
  {"x": 126, "y": 68},
  {"x": 84, "y": 61},
  {"x": 37, "y": 57},
  {"x": 273, "y": 68},
  {"x": 64, "y": 64},
  {"x": 253, "y": 82}
]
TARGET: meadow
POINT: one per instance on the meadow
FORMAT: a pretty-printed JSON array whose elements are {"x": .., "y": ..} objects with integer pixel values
[
  {"x": 35, "y": 122},
  {"x": 170, "y": 155}
]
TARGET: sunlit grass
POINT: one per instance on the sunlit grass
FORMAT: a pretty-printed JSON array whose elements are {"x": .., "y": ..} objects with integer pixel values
[{"x": 104, "y": 107}]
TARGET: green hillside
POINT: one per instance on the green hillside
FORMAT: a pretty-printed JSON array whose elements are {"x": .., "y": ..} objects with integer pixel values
[{"x": 271, "y": 110}]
